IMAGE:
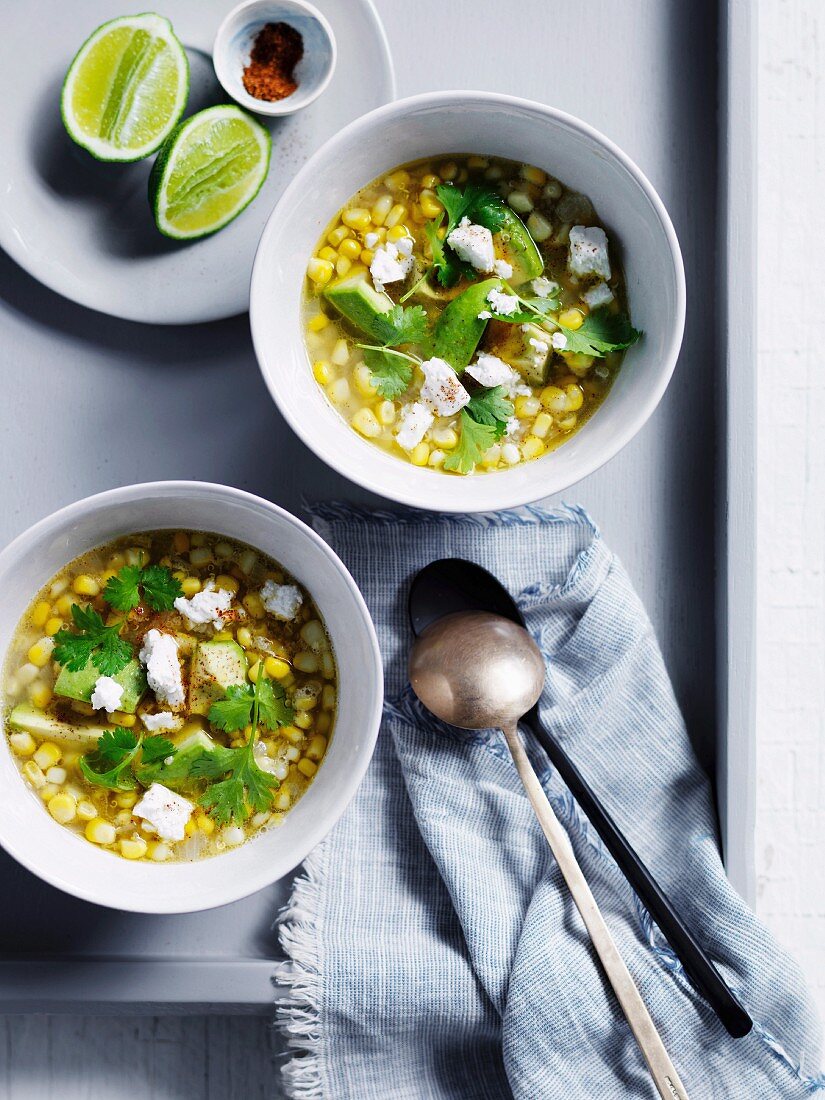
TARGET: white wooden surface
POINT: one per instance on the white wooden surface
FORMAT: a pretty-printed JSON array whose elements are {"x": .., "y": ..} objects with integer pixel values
[
  {"x": 791, "y": 473},
  {"x": 214, "y": 1059}
]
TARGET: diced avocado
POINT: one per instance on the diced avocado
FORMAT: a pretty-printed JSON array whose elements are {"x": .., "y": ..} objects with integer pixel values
[
  {"x": 459, "y": 328},
  {"x": 517, "y": 247},
  {"x": 176, "y": 774},
  {"x": 80, "y": 685},
  {"x": 512, "y": 344},
  {"x": 215, "y": 667},
  {"x": 200, "y": 739},
  {"x": 361, "y": 304},
  {"x": 28, "y": 719}
]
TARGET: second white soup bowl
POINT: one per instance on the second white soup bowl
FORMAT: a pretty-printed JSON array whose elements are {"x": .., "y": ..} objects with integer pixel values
[{"x": 638, "y": 227}]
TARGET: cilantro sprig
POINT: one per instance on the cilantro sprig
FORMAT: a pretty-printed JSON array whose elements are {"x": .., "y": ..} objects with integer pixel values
[
  {"x": 480, "y": 205},
  {"x": 263, "y": 703},
  {"x": 474, "y": 440},
  {"x": 155, "y": 584},
  {"x": 392, "y": 369},
  {"x": 111, "y": 763},
  {"x": 94, "y": 641},
  {"x": 601, "y": 333},
  {"x": 491, "y": 407}
]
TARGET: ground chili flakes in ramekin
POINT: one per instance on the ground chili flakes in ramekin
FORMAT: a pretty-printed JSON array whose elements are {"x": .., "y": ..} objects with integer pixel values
[{"x": 276, "y": 51}]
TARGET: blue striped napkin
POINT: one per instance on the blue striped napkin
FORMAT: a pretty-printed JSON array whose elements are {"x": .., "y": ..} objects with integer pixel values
[{"x": 433, "y": 950}]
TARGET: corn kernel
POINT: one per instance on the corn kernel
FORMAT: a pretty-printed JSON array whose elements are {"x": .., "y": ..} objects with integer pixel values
[
  {"x": 430, "y": 180},
  {"x": 276, "y": 668},
  {"x": 419, "y": 455},
  {"x": 190, "y": 586},
  {"x": 527, "y": 407},
  {"x": 520, "y": 201},
  {"x": 362, "y": 376},
  {"x": 99, "y": 831},
  {"x": 133, "y": 847},
  {"x": 575, "y": 397},
  {"x": 539, "y": 227},
  {"x": 532, "y": 447},
  {"x": 86, "y": 810},
  {"x": 48, "y": 791},
  {"x": 327, "y": 664},
  {"x": 282, "y": 801},
  {"x": 394, "y": 218},
  {"x": 554, "y": 399},
  {"x": 319, "y": 271},
  {"x": 253, "y": 605},
  {"x": 247, "y": 561},
  {"x": 180, "y": 542},
  {"x": 396, "y": 181},
  {"x": 47, "y": 755},
  {"x": 322, "y": 372},
  {"x": 385, "y": 413},
  {"x": 339, "y": 391},
  {"x": 317, "y": 747},
  {"x": 205, "y": 823},
  {"x": 568, "y": 423},
  {"x": 328, "y": 697},
  {"x": 305, "y": 662},
  {"x": 491, "y": 457},
  {"x": 40, "y": 652},
  {"x": 52, "y": 626},
  {"x": 338, "y": 234},
  {"x": 34, "y": 774},
  {"x": 571, "y": 318},
  {"x": 349, "y": 248},
  {"x": 40, "y": 613},
  {"x": 367, "y": 256},
  {"x": 227, "y": 583},
  {"x": 307, "y": 767},
  {"x": 342, "y": 266},
  {"x": 157, "y": 851},
  {"x": 118, "y": 718},
  {"x": 449, "y": 170},
  {"x": 318, "y": 322},
  {"x": 533, "y": 175},
  {"x": 191, "y": 827},
  {"x": 56, "y": 775},
  {"x": 340, "y": 353},
  {"x": 552, "y": 190},
  {"x": 542, "y": 425},
  {"x": 328, "y": 253},
  {"x": 64, "y": 606},
  {"x": 357, "y": 218},
  {"x": 292, "y": 734},
  {"x": 84, "y": 585},
  {"x": 381, "y": 208},
  {"x": 397, "y": 233},
  {"x": 430, "y": 205},
  {"x": 200, "y": 555},
  {"x": 244, "y": 637},
  {"x": 22, "y": 743},
  {"x": 63, "y": 808},
  {"x": 125, "y": 800},
  {"x": 365, "y": 423},
  {"x": 446, "y": 438},
  {"x": 40, "y": 694},
  {"x": 303, "y": 720}
]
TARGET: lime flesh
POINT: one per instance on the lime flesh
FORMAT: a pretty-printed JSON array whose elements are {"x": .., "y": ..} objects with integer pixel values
[
  {"x": 210, "y": 169},
  {"x": 126, "y": 88}
]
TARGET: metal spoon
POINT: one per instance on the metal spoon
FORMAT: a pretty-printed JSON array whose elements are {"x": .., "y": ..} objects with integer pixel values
[
  {"x": 453, "y": 584},
  {"x": 477, "y": 671}
]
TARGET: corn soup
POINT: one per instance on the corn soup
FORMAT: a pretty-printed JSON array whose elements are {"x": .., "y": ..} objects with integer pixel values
[
  {"x": 169, "y": 695},
  {"x": 466, "y": 313}
]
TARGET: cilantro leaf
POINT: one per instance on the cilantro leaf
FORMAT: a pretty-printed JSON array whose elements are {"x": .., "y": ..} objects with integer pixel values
[
  {"x": 474, "y": 440},
  {"x": 246, "y": 786},
  {"x": 235, "y": 710},
  {"x": 404, "y": 326},
  {"x": 121, "y": 591},
  {"x": 491, "y": 407},
  {"x": 391, "y": 373},
  {"x": 160, "y": 588},
  {"x": 156, "y": 748},
  {"x": 273, "y": 709},
  {"x": 109, "y": 764},
  {"x": 601, "y": 333},
  {"x": 448, "y": 268},
  {"x": 102, "y": 644},
  {"x": 480, "y": 204}
]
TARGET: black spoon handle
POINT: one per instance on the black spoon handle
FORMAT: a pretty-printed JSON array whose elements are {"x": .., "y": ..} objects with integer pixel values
[{"x": 698, "y": 967}]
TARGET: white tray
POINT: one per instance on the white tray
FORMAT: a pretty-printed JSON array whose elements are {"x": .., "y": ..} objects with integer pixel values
[{"x": 90, "y": 402}]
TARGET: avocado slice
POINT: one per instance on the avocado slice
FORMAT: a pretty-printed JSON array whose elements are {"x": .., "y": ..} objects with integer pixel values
[
  {"x": 28, "y": 719},
  {"x": 361, "y": 304},
  {"x": 215, "y": 667},
  {"x": 459, "y": 329},
  {"x": 176, "y": 774},
  {"x": 80, "y": 685},
  {"x": 515, "y": 245},
  {"x": 511, "y": 343}
]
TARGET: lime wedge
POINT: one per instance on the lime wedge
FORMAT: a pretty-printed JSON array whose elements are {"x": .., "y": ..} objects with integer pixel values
[
  {"x": 126, "y": 88},
  {"x": 211, "y": 167}
]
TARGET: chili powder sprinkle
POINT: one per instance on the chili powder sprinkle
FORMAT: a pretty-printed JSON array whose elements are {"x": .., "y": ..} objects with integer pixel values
[{"x": 276, "y": 51}]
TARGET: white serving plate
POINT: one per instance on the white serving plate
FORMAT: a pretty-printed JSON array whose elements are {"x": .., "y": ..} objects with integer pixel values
[{"x": 85, "y": 228}]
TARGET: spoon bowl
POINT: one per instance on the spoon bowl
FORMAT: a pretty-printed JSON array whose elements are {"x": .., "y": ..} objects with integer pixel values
[{"x": 476, "y": 670}]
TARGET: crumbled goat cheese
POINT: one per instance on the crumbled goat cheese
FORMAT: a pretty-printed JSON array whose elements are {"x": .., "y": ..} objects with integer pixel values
[
  {"x": 473, "y": 244},
  {"x": 159, "y": 655},
  {"x": 541, "y": 346},
  {"x": 405, "y": 246},
  {"x": 207, "y": 606},
  {"x": 281, "y": 600},
  {"x": 165, "y": 811},
  {"x": 489, "y": 370},
  {"x": 588, "y": 251},
  {"x": 413, "y": 425},
  {"x": 485, "y": 315},
  {"x": 544, "y": 287},
  {"x": 107, "y": 694},
  {"x": 442, "y": 392},
  {"x": 559, "y": 341},
  {"x": 502, "y": 269},
  {"x": 503, "y": 304},
  {"x": 371, "y": 240},
  {"x": 389, "y": 265},
  {"x": 513, "y": 427},
  {"x": 598, "y": 295},
  {"x": 163, "y": 720}
]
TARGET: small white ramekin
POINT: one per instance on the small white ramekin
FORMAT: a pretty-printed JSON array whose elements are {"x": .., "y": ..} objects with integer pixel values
[{"x": 71, "y": 863}]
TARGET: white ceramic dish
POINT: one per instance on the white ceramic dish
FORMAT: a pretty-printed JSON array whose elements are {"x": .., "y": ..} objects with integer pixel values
[
  {"x": 85, "y": 228},
  {"x": 236, "y": 35},
  {"x": 70, "y": 863},
  {"x": 481, "y": 122}
]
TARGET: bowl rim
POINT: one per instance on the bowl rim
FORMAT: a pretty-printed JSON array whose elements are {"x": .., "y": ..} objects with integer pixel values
[
  {"x": 499, "y": 494},
  {"x": 281, "y": 107},
  {"x": 234, "y": 888}
]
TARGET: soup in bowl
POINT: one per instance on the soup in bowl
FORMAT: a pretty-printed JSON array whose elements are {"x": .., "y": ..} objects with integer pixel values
[
  {"x": 186, "y": 710},
  {"x": 458, "y": 284}
]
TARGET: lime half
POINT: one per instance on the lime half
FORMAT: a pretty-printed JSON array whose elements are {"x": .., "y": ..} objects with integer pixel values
[
  {"x": 211, "y": 167},
  {"x": 126, "y": 88}
]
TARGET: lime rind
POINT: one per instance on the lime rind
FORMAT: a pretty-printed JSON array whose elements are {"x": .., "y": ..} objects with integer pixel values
[
  {"x": 165, "y": 163},
  {"x": 160, "y": 28}
]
